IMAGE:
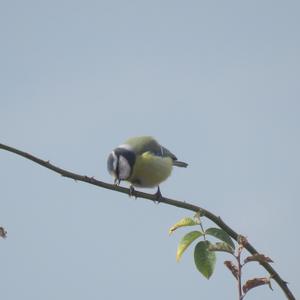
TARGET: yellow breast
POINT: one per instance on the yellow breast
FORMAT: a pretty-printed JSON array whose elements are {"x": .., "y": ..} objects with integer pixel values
[{"x": 150, "y": 170}]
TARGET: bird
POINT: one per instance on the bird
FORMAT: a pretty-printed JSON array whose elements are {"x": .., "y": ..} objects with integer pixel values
[{"x": 142, "y": 162}]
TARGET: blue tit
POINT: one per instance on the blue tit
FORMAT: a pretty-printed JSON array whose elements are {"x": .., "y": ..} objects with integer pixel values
[{"x": 143, "y": 162}]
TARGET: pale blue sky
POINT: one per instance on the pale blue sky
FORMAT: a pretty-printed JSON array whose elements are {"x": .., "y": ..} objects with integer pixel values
[{"x": 215, "y": 82}]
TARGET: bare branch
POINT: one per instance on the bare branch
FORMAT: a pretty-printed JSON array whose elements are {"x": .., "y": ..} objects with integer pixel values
[{"x": 203, "y": 212}]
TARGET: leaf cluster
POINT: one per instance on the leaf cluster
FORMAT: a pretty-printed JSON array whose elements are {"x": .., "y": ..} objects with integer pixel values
[{"x": 204, "y": 251}]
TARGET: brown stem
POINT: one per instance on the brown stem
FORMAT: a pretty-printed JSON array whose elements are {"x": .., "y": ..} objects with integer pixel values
[
  {"x": 239, "y": 277},
  {"x": 203, "y": 212}
]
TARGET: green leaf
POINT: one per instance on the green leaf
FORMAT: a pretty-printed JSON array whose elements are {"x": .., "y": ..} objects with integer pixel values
[
  {"x": 186, "y": 241},
  {"x": 221, "y": 235},
  {"x": 223, "y": 247},
  {"x": 184, "y": 222},
  {"x": 205, "y": 259}
]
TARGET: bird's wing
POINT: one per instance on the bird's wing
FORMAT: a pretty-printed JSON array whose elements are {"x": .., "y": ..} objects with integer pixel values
[
  {"x": 165, "y": 152},
  {"x": 154, "y": 147},
  {"x": 148, "y": 144}
]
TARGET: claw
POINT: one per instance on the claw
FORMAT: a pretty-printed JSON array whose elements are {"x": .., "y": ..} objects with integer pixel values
[
  {"x": 131, "y": 191},
  {"x": 117, "y": 181}
]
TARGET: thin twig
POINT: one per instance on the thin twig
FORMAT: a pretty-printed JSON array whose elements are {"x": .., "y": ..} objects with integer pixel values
[
  {"x": 239, "y": 278},
  {"x": 203, "y": 212}
]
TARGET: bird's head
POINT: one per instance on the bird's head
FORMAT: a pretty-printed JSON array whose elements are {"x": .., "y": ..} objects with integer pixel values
[{"x": 120, "y": 163}]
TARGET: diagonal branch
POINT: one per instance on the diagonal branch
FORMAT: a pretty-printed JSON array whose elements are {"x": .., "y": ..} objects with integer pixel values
[{"x": 217, "y": 220}]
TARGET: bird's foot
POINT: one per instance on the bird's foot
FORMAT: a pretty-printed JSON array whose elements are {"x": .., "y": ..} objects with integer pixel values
[
  {"x": 117, "y": 181},
  {"x": 158, "y": 196},
  {"x": 131, "y": 191}
]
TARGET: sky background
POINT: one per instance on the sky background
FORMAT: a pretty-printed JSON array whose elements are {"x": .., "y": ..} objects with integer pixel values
[{"x": 216, "y": 82}]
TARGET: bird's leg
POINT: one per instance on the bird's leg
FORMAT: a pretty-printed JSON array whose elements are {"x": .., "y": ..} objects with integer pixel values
[
  {"x": 117, "y": 181},
  {"x": 158, "y": 195},
  {"x": 131, "y": 190}
]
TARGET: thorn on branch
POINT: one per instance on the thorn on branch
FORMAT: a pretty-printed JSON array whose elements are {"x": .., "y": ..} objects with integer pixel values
[{"x": 242, "y": 240}]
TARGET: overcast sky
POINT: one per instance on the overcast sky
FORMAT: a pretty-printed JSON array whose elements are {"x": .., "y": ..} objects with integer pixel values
[{"x": 216, "y": 82}]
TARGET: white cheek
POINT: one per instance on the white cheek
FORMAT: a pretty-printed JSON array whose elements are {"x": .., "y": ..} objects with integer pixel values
[
  {"x": 124, "y": 168},
  {"x": 115, "y": 162},
  {"x": 112, "y": 164}
]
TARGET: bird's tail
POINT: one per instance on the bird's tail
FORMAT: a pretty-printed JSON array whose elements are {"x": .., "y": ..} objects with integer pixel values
[{"x": 181, "y": 164}]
